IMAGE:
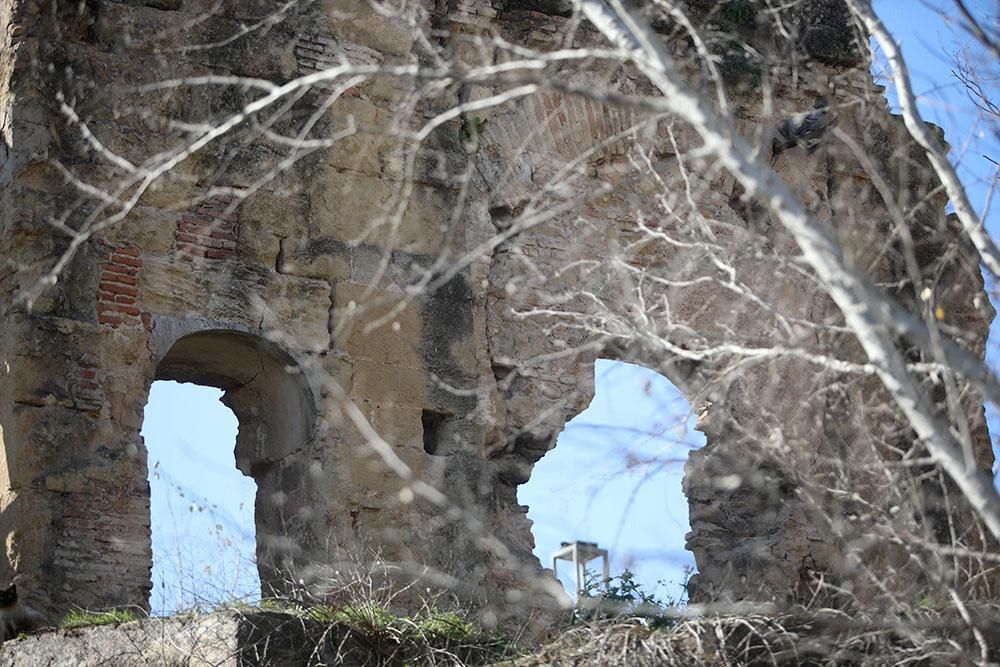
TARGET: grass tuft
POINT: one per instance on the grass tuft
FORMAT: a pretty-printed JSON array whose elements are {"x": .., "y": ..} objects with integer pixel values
[
  {"x": 80, "y": 618},
  {"x": 367, "y": 616},
  {"x": 450, "y": 626},
  {"x": 430, "y": 637}
]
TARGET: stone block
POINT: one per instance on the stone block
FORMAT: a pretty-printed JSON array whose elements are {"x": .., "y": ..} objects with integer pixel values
[
  {"x": 394, "y": 341},
  {"x": 389, "y": 385},
  {"x": 362, "y": 208},
  {"x": 319, "y": 258},
  {"x": 223, "y": 639}
]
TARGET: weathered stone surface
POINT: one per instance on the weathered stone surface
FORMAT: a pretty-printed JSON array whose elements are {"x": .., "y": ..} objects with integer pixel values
[
  {"x": 402, "y": 339},
  {"x": 223, "y": 638}
]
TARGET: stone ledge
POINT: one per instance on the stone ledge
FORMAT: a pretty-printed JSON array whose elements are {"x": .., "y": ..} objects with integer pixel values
[
  {"x": 248, "y": 638},
  {"x": 222, "y": 638}
]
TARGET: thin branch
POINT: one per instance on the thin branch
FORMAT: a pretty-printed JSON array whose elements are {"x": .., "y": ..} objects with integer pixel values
[
  {"x": 923, "y": 135},
  {"x": 865, "y": 310}
]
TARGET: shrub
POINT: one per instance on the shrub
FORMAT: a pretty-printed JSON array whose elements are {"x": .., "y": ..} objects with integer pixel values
[{"x": 624, "y": 596}]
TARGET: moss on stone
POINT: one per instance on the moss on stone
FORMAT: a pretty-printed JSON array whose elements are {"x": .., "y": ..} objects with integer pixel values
[{"x": 79, "y": 618}]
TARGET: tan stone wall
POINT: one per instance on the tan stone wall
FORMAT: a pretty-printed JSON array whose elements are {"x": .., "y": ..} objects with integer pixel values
[{"x": 359, "y": 278}]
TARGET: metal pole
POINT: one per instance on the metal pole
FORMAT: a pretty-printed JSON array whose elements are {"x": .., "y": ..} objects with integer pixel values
[{"x": 579, "y": 574}]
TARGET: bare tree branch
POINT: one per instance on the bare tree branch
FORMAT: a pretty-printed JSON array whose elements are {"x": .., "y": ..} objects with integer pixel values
[
  {"x": 925, "y": 137},
  {"x": 864, "y": 309}
]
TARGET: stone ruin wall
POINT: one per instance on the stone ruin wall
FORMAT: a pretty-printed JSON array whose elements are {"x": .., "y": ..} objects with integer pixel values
[{"x": 467, "y": 383}]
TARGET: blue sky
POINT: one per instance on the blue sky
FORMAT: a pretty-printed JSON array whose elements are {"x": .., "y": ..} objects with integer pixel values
[
  {"x": 201, "y": 505},
  {"x": 614, "y": 477},
  {"x": 929, "y": 44}
]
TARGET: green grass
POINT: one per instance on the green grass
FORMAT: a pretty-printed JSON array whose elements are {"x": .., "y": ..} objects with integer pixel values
[
  {"x": 312, "y": 612},
  {"x": 79, "y": 618},
  {"x": 382, "y": 630},
  {"x": 451, "y": 626},
  {"x": 367, "y": 616}
]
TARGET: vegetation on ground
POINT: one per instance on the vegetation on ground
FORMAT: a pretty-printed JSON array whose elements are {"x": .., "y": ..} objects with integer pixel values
[
  {"x": 431, "y": 637},
  {"x": 624, "y": 596}
]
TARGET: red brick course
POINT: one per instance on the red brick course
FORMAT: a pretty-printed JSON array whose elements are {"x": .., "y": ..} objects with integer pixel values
[
  {"x": 118, "y": 288},
  {"x": 86, "y": 377},
  {"x": 207, "y": 231},
  {"x": 86, "y": 389}
]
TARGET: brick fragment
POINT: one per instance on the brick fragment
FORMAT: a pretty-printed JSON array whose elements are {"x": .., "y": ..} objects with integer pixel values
[
  {"x": 119, "y": 269},
  {"x": 115, "y": 277},
  {"x": 120, "y": 308},
  {"x": 125, "y": 260},
  {"x": 116, "y": 288}
]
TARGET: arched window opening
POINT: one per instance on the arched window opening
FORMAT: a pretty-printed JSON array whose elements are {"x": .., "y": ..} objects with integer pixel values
[
  {"x": 615, "y": 478},
  {"x": 201, "y": 505},
  {"x": 271, "y": 398}
]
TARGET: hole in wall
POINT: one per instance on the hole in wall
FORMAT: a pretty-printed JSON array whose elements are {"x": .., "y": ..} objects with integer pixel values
[
  {"x": 442, "y": 432},
  {"x": 614, "y": 478},
  {"x": 201, "y": 506},
  {"x": 433, "y": 424}
]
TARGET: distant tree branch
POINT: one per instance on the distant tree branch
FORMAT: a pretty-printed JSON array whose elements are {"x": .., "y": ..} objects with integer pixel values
[
  {"x": 864, "y": 308},
  {"x": 987, "y": 38},
  {"x": 923, "y": 135}
]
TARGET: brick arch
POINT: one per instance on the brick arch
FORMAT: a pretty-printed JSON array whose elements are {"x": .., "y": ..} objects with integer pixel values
[{"x": 564, "y": 126}]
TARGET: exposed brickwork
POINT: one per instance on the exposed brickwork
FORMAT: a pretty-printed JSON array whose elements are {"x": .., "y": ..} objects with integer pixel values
[
  {"x": 88, "y": 395},
  {"x": 470, "y": 15},
  {"x": 208, "y": 231},
  {"x": 102, "y": 538},
  {"x": 119, "y": 286},
  {"x": 554, "y": 123},
  {"x": 314, "y": 53}
]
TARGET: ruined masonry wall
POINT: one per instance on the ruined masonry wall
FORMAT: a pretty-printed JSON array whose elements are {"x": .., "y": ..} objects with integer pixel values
[{"x": 299, "y": 296}]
